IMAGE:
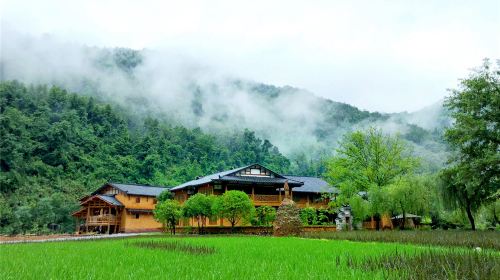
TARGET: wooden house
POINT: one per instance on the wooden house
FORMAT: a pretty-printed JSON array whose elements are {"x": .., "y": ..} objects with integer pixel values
[
  {"x": 262, "y": 185},
  {"x": 117, "y": 207}
]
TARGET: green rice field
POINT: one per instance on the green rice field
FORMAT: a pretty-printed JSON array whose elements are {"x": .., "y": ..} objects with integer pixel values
[{"x": 208, "y": 257}]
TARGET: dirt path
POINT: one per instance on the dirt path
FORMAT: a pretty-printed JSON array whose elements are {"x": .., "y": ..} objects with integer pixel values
[{"x": 67, "y": 237}]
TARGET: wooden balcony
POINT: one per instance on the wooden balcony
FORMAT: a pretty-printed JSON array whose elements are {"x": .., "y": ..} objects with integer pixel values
[
  {"x": 275, "y": 200},
  {"x": 105, "y": 219},
  {"x": 266, "y": 199}
]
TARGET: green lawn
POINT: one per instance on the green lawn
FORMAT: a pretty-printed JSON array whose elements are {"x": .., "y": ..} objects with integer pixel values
[
  {"x": 234, "y": 258},
  {"x": 238, "y": 257}
]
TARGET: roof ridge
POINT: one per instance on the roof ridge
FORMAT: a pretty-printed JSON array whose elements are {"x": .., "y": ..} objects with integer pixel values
[{"x": 139, "y": 185}]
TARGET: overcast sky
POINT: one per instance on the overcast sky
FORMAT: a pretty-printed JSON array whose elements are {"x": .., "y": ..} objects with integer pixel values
[{"x": 388, "y": 56}]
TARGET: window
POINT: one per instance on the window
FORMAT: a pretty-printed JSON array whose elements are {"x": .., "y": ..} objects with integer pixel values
[
  {"x": 137, "y": 200},
  {"x": 154, "y": 201},
  {"x": 255, "y": 171},
  {"x": 137, "y": 215}
]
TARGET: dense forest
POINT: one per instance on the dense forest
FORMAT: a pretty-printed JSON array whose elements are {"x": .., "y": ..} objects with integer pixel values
[{"x": 58, "y": 146}]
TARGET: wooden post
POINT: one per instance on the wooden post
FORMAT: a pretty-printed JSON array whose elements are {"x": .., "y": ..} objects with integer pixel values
[
  {"x": 291, "y": 193},
  {"x": 87, "y": 220},
  {"x": 307, "y": 200},
  {"x": 253, "y": 193},
  {"x": 279, "y": 194}
]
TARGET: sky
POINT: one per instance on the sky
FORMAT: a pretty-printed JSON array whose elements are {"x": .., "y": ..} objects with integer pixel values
[{"x": 388, "y": 56}]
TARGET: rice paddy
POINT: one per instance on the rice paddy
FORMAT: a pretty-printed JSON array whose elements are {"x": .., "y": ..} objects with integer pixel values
[{"x": 208, "y": 257}]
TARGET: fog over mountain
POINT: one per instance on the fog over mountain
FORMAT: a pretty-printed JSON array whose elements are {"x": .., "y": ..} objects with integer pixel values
[{"x": 183, "y": 91}]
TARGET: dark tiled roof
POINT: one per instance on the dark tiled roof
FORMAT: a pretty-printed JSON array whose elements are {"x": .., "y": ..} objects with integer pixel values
[
  {"x": 309, "y": 184},
  {"x": 110, "y": 199},
  {"x": 258, "y": 180},
  {"x": 312, "y": 185},
  {"x": 135, "y": 189},
  {"x": 207, "y": 179}
]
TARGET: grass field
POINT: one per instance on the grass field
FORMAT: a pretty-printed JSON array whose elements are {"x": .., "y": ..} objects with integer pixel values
[{"x": 216, "y": 257}]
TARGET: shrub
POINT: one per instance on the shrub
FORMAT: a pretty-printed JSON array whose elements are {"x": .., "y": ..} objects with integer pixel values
[
  {"x": 288, "y": 220},
  {"x": 265, "y": 215},
  {"x": 308, "y": 216},
  {"x": 323, "y": 217}
]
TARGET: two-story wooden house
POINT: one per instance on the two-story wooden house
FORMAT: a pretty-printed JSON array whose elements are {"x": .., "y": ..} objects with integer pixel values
[
  {"x": 129, "y": 208},
  {"x": 262, "y": 185},
  {"x": 119, "y": 208}
]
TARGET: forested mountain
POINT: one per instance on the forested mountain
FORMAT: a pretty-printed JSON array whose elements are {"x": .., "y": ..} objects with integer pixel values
[
  {"x": 58, "y": 146},
  {"x": 175, "y": 89}
]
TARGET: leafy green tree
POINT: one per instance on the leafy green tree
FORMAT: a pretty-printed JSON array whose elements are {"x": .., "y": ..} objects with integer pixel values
[
  {"x": 473, "y": 172},
  {"x": 199, "y": 206},
  {"x": 165, "y": 195},
  {"x": 233, "y": 206},
  {"x": 366, "y": 163},
  {"x": 168, "y": 212},
  {"x": 366, "y": 158},
  {"x": 265, "y": 215},
  {"x": 409, "y": 195}
]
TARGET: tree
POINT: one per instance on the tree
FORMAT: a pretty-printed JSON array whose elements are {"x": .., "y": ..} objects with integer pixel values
[
  {"x": 366, "y": 163},
  {"x": 366, "y": 158},
  {"x": 234, "y": 206},
  {"x": 199, "y": 206},
  {"x": 409, "y": 195},
  {"x": 168, "y": 212},
  {"x": 472, "y": 176},
  {"x": 265, "y": 215},
  {"x": 165, "y": 195}
]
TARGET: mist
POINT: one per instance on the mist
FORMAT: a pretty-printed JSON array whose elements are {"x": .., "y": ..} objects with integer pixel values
[{"x": 186, "y": 91}]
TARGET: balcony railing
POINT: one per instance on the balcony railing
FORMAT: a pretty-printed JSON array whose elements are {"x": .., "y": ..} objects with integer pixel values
[
  {"x": 266, "y": 198},
  {"x": 102, "y": 219}
]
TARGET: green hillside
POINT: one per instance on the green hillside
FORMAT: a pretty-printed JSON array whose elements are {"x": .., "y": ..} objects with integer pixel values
[{"x": 57, "y": 146}]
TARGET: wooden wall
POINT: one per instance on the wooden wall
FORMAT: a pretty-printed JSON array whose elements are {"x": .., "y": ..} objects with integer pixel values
[
  {"x": 129, "y": 201},
  {"x": 146, "y": 221}
]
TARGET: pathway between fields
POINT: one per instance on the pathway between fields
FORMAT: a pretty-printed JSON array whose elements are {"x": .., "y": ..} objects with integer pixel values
[{"x": 66, "y": 238}]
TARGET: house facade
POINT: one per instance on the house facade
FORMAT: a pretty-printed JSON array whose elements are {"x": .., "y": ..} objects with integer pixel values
[
  {"x": 118, "y": 207},
  {"x": 262, "y": 185}
]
